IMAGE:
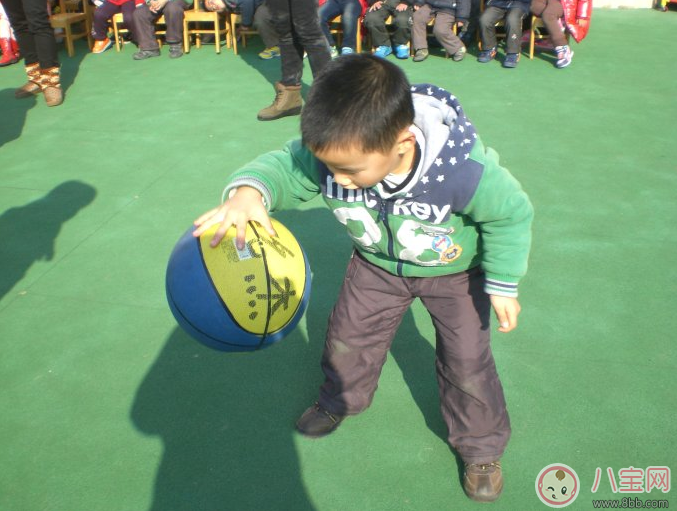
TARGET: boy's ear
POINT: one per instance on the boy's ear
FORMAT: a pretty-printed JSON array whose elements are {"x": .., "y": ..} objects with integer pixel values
[{"x": 405, "y": 142}]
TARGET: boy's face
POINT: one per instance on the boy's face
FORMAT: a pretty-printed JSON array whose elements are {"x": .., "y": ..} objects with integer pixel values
[{"x": 353, "y": 168}]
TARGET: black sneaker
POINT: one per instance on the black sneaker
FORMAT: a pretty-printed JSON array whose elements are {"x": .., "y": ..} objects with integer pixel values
[
  {"x": 511, "y": 60},
  {"x": 175, "y": 51},
  {"x": 317, "y": 422},
  {"x": 145, "y": 54},
  {"x": 483, "y": 482}
]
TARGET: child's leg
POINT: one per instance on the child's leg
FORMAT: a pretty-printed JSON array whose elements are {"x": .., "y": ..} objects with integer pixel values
[
  {"x": 264, "y": 26},
  {"x": 442, "y": 30},
  {"x": 362, "y": 325},
  {"x": 513, "y": 30},
  {"x": 488, "y": 20},
  {"x": 101, "y": 16},
  {"x": 349, "y": 16},
  {"x": 128, "y": 18},
  {"x": 328, "y": 11},
  {"x": 402, "y": 22},
  {"x": 471, "y": 395},
  {"x": 552, "y": 13},
  {"x": 375, "y": 22},
  {"x": 421, "y": 17}
]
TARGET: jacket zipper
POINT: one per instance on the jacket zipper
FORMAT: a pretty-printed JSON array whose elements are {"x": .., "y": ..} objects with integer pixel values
[{"x": 383, "y": 217}]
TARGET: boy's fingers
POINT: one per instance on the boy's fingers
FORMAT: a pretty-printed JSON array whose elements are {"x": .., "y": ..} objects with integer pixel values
[
  {"x": 502, "y": 319},
  {"x": 204, "y": 217},
  {"x": 241, "y": 230},
  {"x": 220, "y": 232}
]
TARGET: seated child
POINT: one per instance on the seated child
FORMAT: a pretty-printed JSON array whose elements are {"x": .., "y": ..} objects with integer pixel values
[
  {"x": 252, "y": 13},
  {"x": 513, "y": 11},
  {"x": 431, "y": 214},
  {"x": 350, "y": 12},
  {"x": 576, "y": 16},
  {"x": 103, "y": 13},
  {"x": 445, "y": 13},
  {"x": 375, "y": 22}
]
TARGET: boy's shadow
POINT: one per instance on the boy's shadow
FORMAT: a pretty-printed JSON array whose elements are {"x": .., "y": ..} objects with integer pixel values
[
  {"x": 29, "y": 232},
  {"x": 226, "y": 420}
]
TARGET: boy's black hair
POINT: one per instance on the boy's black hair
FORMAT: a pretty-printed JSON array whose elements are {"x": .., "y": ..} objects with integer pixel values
[{"x": 358, "y": 101}]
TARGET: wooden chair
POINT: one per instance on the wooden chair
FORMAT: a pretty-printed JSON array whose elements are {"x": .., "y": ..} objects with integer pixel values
[
  {"x": 535, "y": 34},
  {"x": 75, "y": 19},
  {"x": 336, "y": 29},
  {"x": 118, "y": 30},
  {"x": 200, "y": 15},
  {"x": 234, "y": 19}
]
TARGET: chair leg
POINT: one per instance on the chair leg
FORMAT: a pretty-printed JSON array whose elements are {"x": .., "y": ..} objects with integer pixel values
[
  {"x": 68, "y": 36},
  {"x": 186, "y": 37}
]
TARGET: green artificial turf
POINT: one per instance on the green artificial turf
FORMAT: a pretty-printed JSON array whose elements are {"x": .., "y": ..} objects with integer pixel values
[{"x": 107, "y": 405}]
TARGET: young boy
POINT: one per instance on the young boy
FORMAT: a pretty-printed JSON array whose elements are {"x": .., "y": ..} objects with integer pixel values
[{"x": 431, "y": 214}]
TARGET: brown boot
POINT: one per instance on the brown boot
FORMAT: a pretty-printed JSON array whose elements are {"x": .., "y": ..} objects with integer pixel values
[
  {"x": 287, "y": 102},
  {"x": 32, "y": 86},
  {"x": 483, "y": 482},
  {"x": 50, "y": 84}
]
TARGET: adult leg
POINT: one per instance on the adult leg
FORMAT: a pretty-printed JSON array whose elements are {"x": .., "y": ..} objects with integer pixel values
[
  {"x": 419, "y": 29},
  {"x": 291, "y": 53},
  {"x": 33, "y": 31},
  {"x": 306, "y": 28},
  {"x": 471, "y": 395},
  {"x": 368, "y": 311},
  {"x": 513, "y": 30}
]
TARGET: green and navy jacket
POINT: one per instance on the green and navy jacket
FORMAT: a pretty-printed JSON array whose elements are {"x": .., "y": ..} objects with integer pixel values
[{"x": 459, "y": 210}]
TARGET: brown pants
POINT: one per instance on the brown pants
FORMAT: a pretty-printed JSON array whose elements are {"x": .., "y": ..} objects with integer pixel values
[
  {"x": 551, "y": 12},
  {"x": 443, "y": 29},
  {"x": 363, "y": 323}
]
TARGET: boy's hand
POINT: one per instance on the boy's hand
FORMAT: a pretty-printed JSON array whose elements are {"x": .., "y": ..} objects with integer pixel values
[
  {"x": 507, "y": 310},
  {"x": 376, "y": 6},
  {"x": 245, "y": 205}
]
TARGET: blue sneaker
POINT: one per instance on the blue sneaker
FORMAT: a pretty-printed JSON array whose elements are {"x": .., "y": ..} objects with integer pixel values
[
  {"x": 347, "y": 50},
  {"x": 487, "y": 55},
  {"x": 383, "y": 51},
  {"x": 511, "y": 60},
  {"x": 402, "y": 51}
]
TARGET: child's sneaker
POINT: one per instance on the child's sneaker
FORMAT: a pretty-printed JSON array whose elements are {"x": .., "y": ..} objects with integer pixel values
[
  {"x": 487, "y": 55},
  {"x": 347, "y": 50},
  {"x": 511, "y": 60},
  {"x": 101, "y": 46},
  {"x": 459, "y": 55},
  {"x": 402, "y": 51},
  {"x": 383, "y": 51},
  {"x": 270, "y": 53},
  {"x": 334, "y": 52},
  {"x": 564, "y": 56},
  {"x": 420, "y": 55}
]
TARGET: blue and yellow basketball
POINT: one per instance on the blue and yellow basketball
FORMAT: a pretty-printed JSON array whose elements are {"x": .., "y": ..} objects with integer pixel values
[{"x": 238, "y": 300}]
